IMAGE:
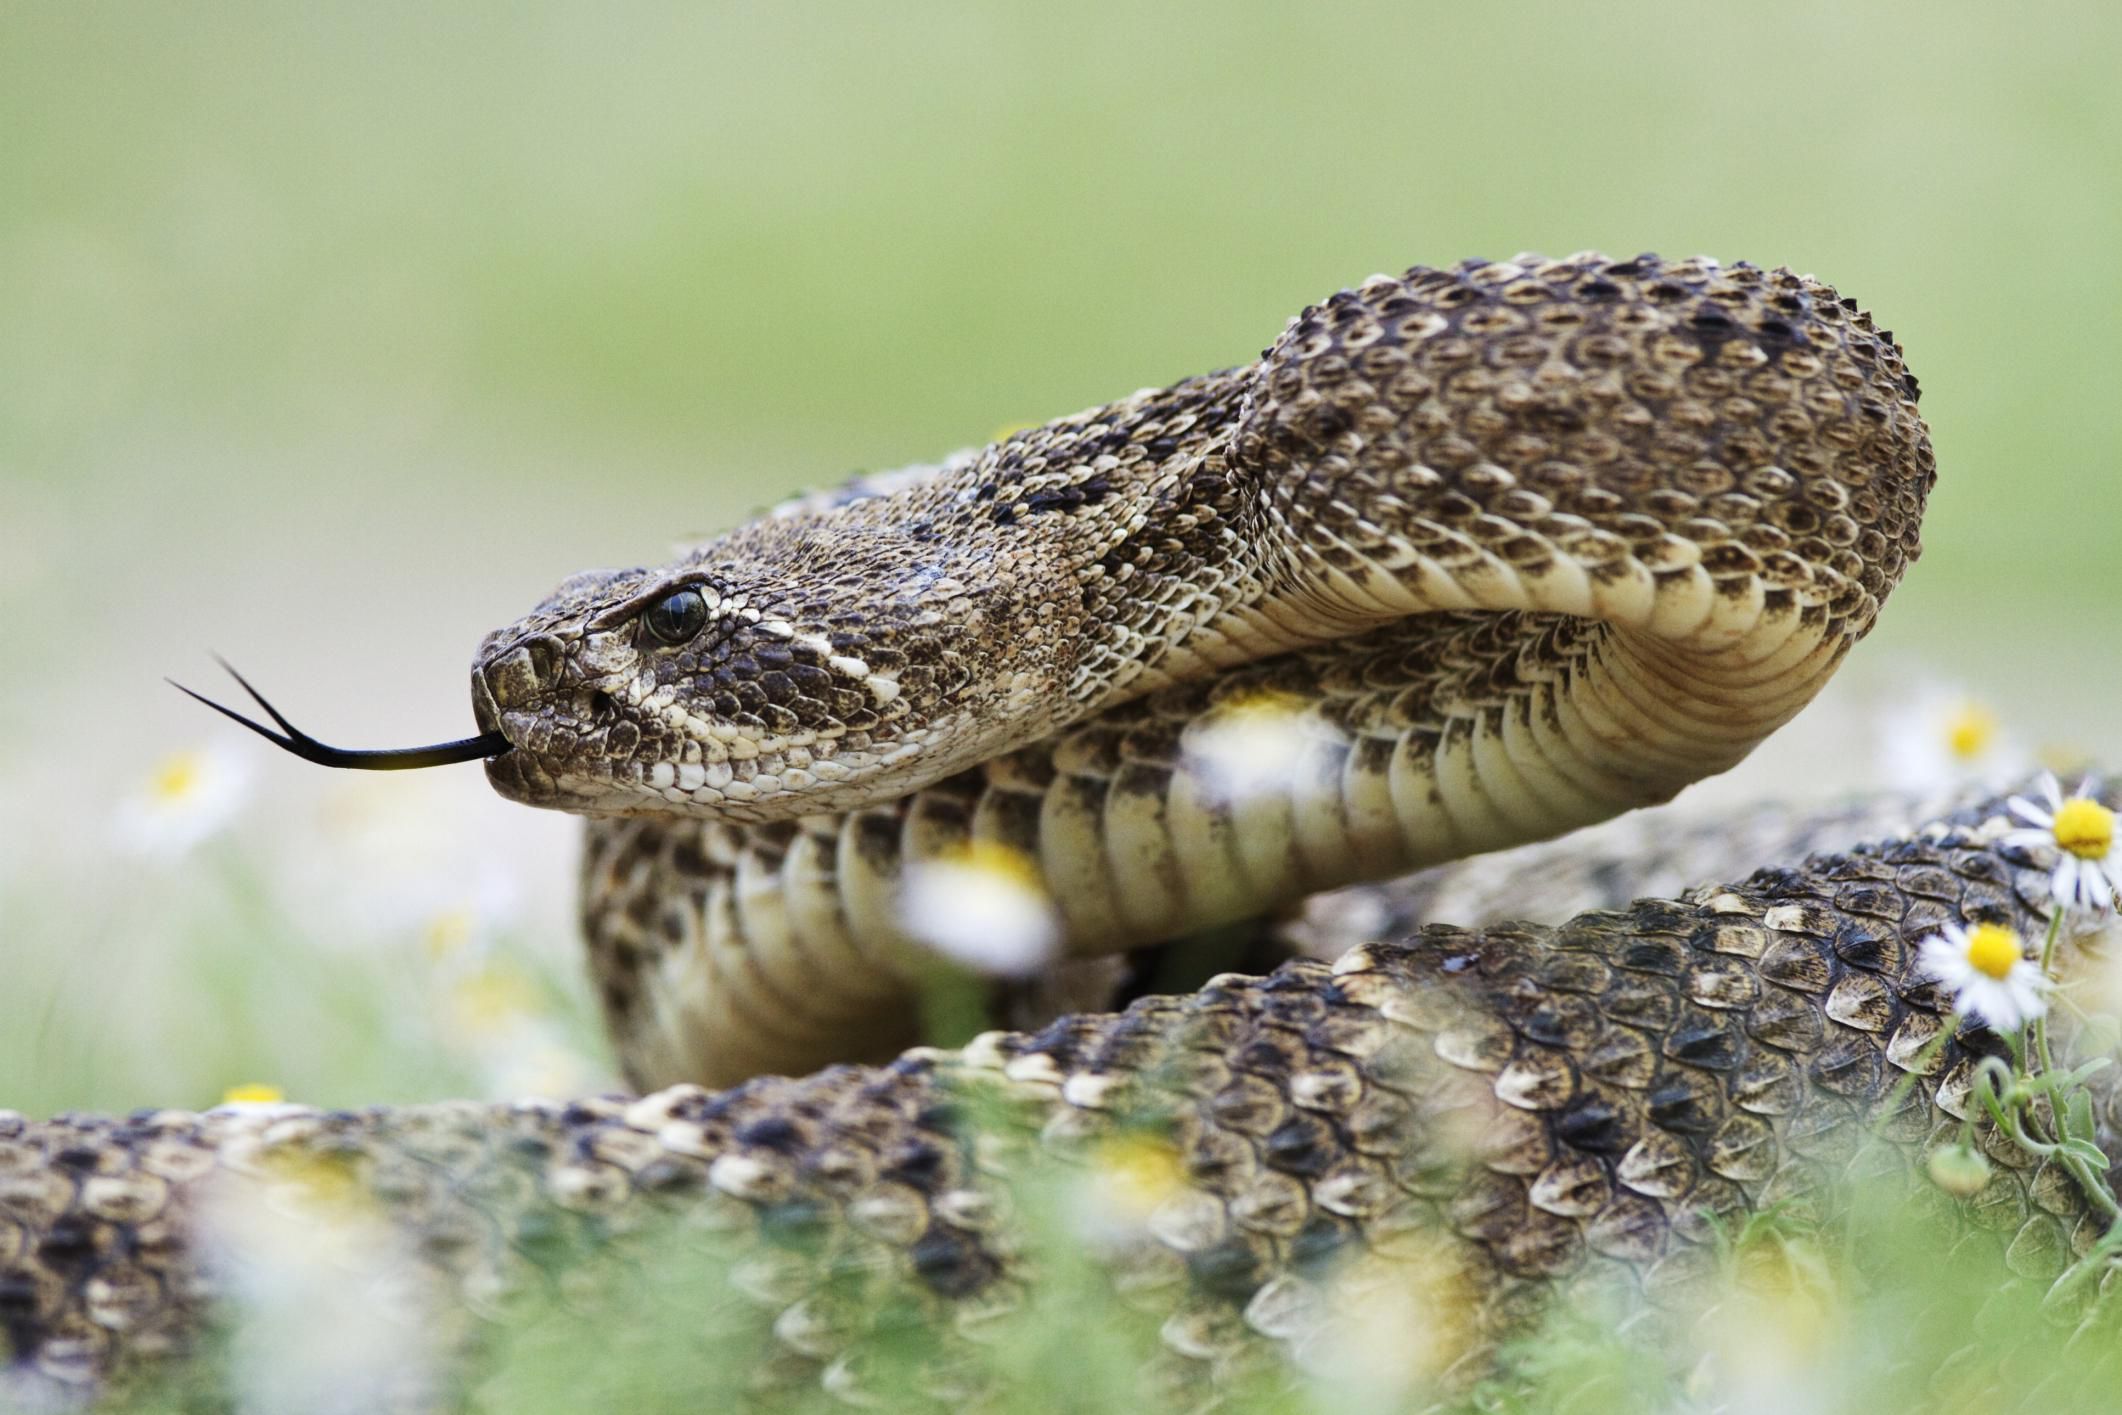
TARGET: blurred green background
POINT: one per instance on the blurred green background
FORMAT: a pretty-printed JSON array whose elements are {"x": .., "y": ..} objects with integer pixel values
[{"x": 331, "y": 336}]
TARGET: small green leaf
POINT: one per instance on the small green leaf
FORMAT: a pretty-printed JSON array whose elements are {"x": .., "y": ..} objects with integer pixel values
[
  {"x": 2087, "y": 1151},
  {"x": 2078, "y": 1116}
]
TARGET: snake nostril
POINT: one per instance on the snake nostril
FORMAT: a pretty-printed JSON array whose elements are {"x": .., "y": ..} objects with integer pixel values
[{"x": 601, "y": 706}]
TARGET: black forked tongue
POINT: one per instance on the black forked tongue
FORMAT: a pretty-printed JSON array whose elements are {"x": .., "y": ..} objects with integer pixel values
[{"x": 291, "y": 738}]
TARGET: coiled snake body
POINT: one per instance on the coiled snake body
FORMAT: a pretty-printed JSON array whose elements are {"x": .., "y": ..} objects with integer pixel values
[
  {"x": 1512, "y": 548},
  {"x": 1505, "y": 549}
]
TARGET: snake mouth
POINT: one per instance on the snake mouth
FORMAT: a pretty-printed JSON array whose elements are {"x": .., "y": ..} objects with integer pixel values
[{"x": 490, "y": 743}]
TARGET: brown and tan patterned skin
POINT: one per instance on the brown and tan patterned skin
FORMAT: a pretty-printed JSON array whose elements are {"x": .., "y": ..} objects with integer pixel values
[
  {"x": 1515, "y": 546},
  {"x": 1494, "y": 1109}
]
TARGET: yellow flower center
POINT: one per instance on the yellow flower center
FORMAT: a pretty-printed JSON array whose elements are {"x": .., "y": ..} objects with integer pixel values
[
  {"x": 1138, "y": 1172},
  {"x": 1969, "y": 731},
  {"x": 253, "y": 1093},
  {"x": 1001, "y": 861},
  {"x": 178, "y": 777},
  {"x": 2085, "y": 828},
  {"x": 1992, "y": 949},
  {"x": 321, "y": 1185}
]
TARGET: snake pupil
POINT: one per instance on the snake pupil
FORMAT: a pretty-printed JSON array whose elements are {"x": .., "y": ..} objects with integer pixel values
[{"x": 676, "y": 617}]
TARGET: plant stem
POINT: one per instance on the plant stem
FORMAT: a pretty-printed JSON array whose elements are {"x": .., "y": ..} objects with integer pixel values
[{"x": 2048, "y": 957}]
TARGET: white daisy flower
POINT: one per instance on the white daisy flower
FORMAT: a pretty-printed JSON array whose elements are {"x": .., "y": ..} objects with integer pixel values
[
  {"x": 1133, "y": 1176},
  {"x": 1250, "y": 746},
  {"x": 1943, "y": 737},
  {"x": 256, "y": 1098},
  {"x": 327, "y": 1306},
  {"x": 1992, "y": 979},
  {"x": 189, "y": 797},
  {"x": 2088, "y": 872},
  {"x": 984, "y": 906}
]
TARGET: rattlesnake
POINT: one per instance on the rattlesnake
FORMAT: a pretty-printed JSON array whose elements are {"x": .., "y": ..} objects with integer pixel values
[
  {"x": 1507, "y": 548},
  {"x": 1514, "y": 547}
]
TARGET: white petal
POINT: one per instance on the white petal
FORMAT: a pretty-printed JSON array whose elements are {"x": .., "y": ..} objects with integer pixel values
[
  {"x": 1989, "y": 1001},
  {"x": 2028, "y": 973},
  {"x": 2094, "y": 893},
  {"x": 2064, "y": 883},
  {"x": 2030, "y": 989},
  {"x": 2051, "y": 790},
  {"x": 2007, "y": 1003},
  {"x": 2109, "y": 874},
  {"x": 1944, "y": 961},
  {"x": 2027, "y": 811},
  {"x": 985, "y": 918}
]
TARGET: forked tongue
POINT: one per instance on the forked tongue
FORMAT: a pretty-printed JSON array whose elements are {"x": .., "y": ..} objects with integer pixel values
[{"x": 291, "y": 738}]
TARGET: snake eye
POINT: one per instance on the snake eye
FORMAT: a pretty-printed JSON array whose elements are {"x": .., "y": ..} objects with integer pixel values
[{"x": 676, "y": 617}]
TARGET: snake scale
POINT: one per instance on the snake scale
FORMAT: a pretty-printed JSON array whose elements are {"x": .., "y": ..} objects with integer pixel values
[{"x": 1508, "y": 548}]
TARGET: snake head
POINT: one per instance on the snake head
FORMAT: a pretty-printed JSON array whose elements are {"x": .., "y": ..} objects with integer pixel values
[{"x": 782, "y": 670}]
